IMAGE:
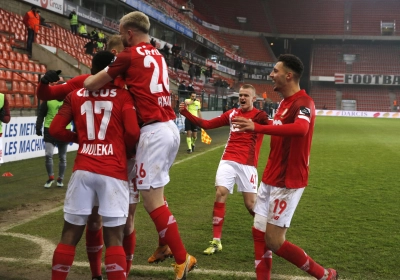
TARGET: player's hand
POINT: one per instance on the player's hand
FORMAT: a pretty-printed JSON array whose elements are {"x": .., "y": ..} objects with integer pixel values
[
  {"x": 243, "y": 124},
  {"x": 182, "y": 106},
  {"x": 51, "y": 76},
  {"x": 39, "y": 133}
]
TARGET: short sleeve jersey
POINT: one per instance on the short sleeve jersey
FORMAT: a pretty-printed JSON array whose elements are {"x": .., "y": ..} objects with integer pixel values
[
  {"x": 145, "y": 73},
  {"x": 194, "y": 107},
  {"x": 242, "y": 147},
  {"x": 288, "y": 162},
  {"x": 98, "y": 120}
]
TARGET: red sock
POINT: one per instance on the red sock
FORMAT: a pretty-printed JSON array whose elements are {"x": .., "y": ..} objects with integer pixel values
[
  {"x": 168, "y": 230},
  {"x": 299, "y": 258},
  {"x": 94, "y": 250},
  {"x": 218, "y": 218},
  {"x": 262, "y": 256},
  {"x": 63, "y": 258},
  {"x": 115, "y": 263},
  {"x": 129, "y": 245},
  {"x": 161, "y": 241}
]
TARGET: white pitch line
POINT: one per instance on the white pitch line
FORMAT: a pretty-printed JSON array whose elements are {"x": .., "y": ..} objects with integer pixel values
[{"x": 48, "y": 247}]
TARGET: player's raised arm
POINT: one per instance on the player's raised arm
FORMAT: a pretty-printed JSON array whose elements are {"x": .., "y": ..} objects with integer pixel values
[{"x": 95, "y": 82}]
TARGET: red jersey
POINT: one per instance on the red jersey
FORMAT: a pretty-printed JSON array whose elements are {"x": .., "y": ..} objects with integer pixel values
[
  {"x": 291, "y": 136},
  {"x": 59, "y": 92},
  {"x": 145, "y": 73},
  {"x": 242, "y": 147},
  {"x": 106, "y": 128}
]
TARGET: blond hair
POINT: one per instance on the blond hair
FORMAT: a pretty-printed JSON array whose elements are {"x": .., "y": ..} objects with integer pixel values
[
  {"x": 136, "y": 20},
  {"x": 248, "y": 86},
  {"x": 115, "y": 42}
]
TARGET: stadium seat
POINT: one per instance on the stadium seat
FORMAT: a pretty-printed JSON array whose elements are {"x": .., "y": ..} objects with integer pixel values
[
  {"x": 15, "y": 87},
  {"x": 13, "y": 56},
  {"x": 23, "y": 88},
  {"x": 10, "y": 99},
  {"x": 5, "y": 55},
  {"x": 24, "y": 77},
  {"x": 3, "y": 86},
  {"x": 35, "y": 78},
  {"x": 10, "y": 64},
  {"x": 31, "y": 67},
  {"x": 8, "y": 75},
  {"x": 16, "y": 76},
  {"x": 2, "y": 75},
  {"x": 26, "y": 100},
  {"x": 37, "y": 67},
  {"x": 8, "y": 47},
  {"x": 25, "y": 57},
  {"x": 18, "y": 56},
  {"x": 24, "y": 66},
  {"x": 17, "y": 65},
  {"x": 30, "y": 89},
  {"x": 18, "y": 101},
  {"x": 29, "y": 77},
  {"x": 43, "y": 68}
]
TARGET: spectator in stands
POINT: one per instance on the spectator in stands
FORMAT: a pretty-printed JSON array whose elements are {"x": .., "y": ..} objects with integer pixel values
[
  {"x": 190, "y": 88},
  {"x": 182, "y": 89},
  {"x": 165, "y": 51},
  {"x": 90, "y": 47},
  {"x": 176, "y": 50},
  {"x": 43, "y": 21},
  {"x": 32, "y": 21},
  {"x": 324, "y": 107},
  {"x": 210, "y": 71},
  {"x": 47, "y": 112},
  {"x": 197, "y": 72},
  {"x": 82, "y": 31},
  {"x": 5, "y": 117},
  {"x": 206, "y": 72},
  {"x": 100, "y": 46},
  {"x": 225, "y": 108},
  {"x": 193, "y": 106},
  {"x": 94, "y": 34},
  {"x": 240, "y": 76},
  {"x": 178, "y": 62},
  {"x": 73, "y": 22},
  {"x": 191, "y": 71},
  {"x": 102, "y": 37},
  {"x": 236, "y": 104}
]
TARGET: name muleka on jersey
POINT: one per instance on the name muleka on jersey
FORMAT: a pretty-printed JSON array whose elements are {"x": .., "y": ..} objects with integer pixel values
[{"x": 97, "y": 149}]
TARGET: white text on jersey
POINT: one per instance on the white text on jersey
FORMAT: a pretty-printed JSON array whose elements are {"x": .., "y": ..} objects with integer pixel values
[
  {"x": 147, "y": 52},
  {"x": 97, "y": 149},
  {"x": 96, "y": 93},
  {"x": 164, "y": 101}
]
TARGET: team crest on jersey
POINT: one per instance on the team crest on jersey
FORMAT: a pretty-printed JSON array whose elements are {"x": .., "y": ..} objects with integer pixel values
[{"x": 284, "y": 112}]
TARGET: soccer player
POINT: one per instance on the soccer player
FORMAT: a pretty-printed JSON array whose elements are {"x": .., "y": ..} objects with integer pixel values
[
  {"x": 193, "y": 106},
  {"x": 94, "y": 232},
  {"x": 239, "y": 160},
  {"x": 286, "y": 173},
  {"x": 107, "y": 133},
  {"x": 146, "y": 76}
]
